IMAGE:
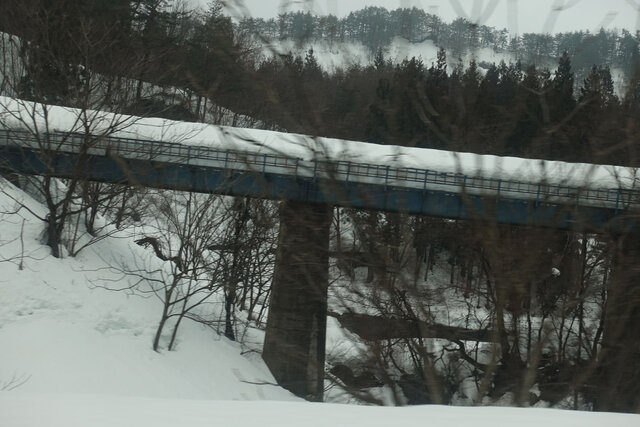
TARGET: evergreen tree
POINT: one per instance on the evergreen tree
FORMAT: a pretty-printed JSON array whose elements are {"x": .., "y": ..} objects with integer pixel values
[
  {"x": 440, "y": 69},
  {"x": 312, "y": 70},
  {"x": 379, "y": 62},
  {"x": 597, "y": 129},
  {"x": 563, "y": 82},
  {"x": 562, "y": 106},
  {"x": 524, "y": 138}
]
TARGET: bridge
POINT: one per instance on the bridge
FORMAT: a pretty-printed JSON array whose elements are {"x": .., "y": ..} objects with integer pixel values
[
  {"x": 448, "y": 194},
  {"x": 295, "y": 335}
]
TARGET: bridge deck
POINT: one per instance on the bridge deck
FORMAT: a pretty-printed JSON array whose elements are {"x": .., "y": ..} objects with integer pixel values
[{"x": 344, "y": 183}]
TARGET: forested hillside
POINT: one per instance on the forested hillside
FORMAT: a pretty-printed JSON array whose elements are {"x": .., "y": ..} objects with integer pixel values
[
  {"x": 517, "y": 108},
  {"x": 376, "y": 28}
]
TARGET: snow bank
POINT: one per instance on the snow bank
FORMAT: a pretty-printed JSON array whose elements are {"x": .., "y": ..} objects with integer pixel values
[
  {"x": 80, "y": 411},
  {"x": 63, "y": 331}
]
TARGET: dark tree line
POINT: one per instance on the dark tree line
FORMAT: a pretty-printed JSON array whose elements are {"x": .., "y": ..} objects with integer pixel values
[
  {"x": 376, "y": 27},
  {"x": 508, "y": 110},
  {"x": 505, "y": 109}
]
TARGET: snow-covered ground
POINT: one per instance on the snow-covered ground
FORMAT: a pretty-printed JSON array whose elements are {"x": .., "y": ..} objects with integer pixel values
[
  {"x": 64, "y": 332},
  {"x": 76, "y": 354},
  {"x": 22, "y": 410}
]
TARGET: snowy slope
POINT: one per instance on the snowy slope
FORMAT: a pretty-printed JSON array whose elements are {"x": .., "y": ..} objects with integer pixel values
[
  {"x": 76, "y": 354},
  {"x": 342, "y": 55},
  {"x": 63, "y": 332},
  {"x": 16, "y": 410}
]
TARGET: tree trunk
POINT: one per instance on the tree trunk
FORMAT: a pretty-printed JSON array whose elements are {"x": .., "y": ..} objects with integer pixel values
[
  {"x": 228, "y": 318},
  {"x": 54, "y": 239},
  {"x": 163, "y": 320}
]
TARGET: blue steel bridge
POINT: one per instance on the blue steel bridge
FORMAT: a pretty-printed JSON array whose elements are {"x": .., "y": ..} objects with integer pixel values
[
  {"x": 205, "y": 169},
  {"x": 294, "y": 344}
]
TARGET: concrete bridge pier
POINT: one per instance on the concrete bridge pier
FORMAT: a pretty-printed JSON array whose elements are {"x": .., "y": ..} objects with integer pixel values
[
  {"x": 294, "y": 346},
  {"x": 618, "y": 375}
]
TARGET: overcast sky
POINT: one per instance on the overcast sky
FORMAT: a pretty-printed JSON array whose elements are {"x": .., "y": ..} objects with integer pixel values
[{"x": 519, "y": 16}]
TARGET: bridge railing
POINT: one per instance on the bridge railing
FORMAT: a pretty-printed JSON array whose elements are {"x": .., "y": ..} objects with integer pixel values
[
  {"x": 450, "y": 181},
  {"x": 342, "y": 171}
]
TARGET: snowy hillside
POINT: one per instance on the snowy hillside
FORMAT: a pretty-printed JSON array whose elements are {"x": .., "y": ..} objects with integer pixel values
[
  {"x": 64, "y": 331},
  {"x": 343, "y": 55},
  {"x": 75, "y": 353}
]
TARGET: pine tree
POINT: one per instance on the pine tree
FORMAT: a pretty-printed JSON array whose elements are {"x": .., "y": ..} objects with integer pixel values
[
  {"x": 529, "y": 115},
  {"x": 379, "y": 62},
  {"x": 563, "y": 82},
  {"x": 312, "y": 70},
  {"x": 596, "y": 124}
]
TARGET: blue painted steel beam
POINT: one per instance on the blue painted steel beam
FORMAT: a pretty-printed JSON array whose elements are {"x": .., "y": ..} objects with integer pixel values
[{"x": 267, "y": 185}]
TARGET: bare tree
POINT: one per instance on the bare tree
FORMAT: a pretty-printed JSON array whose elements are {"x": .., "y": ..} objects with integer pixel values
[
  {"x": 187, "y": 226},
  {"x": 55, "y": 58},
  {"x": 217, "y": 253}
]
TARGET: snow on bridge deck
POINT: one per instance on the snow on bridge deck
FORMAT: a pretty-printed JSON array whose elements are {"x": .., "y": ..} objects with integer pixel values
[{"x": 229, "y": 148}]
